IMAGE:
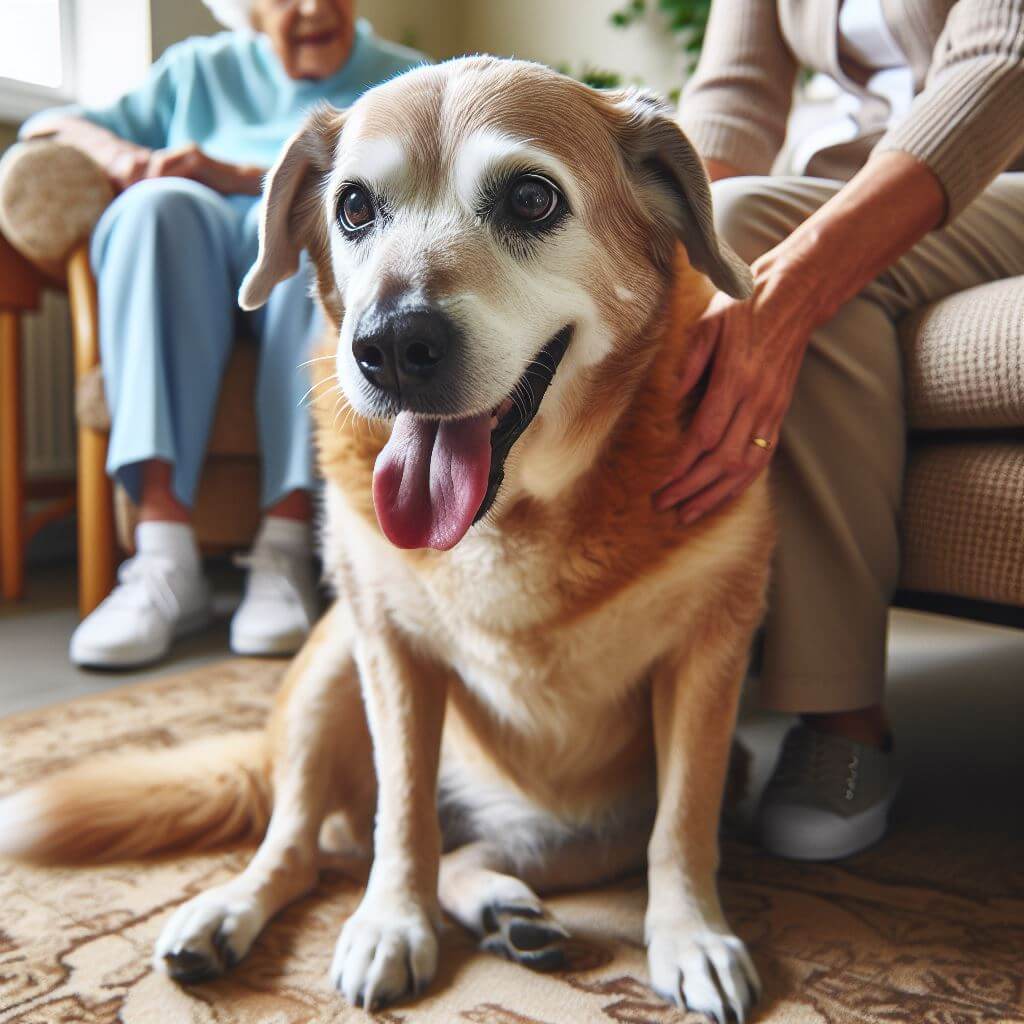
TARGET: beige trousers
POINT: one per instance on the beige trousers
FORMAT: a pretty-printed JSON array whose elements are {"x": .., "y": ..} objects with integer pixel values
[{"x": 838, "y": 472}]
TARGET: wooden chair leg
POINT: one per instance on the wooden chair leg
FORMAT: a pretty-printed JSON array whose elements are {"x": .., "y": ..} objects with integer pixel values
[
  {"x": 96, "y": 549},
  {"x": 97, "y": 552},
  {"x": 12, "y": 455}
]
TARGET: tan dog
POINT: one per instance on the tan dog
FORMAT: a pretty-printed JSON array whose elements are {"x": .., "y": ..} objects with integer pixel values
[{"x": 498, "y": 251}]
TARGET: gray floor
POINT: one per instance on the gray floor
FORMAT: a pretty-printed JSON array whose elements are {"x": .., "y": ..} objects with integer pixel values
[
  {"x": 34, "y": 634},
  {"x": 956, "y": 696}
]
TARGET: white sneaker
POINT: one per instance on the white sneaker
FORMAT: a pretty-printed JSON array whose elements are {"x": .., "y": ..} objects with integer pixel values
[
  {"x": 157, "y": 599},
  {"x": 280, "y": 603}
]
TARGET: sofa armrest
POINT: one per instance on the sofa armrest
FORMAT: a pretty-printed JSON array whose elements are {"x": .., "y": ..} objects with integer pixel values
[{"x": 51, "y": 196}]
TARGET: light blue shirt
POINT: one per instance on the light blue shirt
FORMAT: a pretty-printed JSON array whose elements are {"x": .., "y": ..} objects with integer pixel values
[{"x": 229, "y": 94}]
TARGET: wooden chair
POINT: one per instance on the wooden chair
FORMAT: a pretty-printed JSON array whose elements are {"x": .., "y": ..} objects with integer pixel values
[{"x": 227, "y": 509}]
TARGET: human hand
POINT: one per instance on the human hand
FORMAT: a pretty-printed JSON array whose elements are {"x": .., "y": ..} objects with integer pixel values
[
  {"x": 189, "y": 161},
  {"x": 754, "y": 348},
  {"x": 127, "y": 164}
]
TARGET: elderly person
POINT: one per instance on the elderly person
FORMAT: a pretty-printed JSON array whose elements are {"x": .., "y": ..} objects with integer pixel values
[
  {"x": 189, "y": 149},
  {"x": 904, "y": 199}
]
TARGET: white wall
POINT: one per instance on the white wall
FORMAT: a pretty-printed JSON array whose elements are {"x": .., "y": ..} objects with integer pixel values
[{"x": 576, "y": 32}]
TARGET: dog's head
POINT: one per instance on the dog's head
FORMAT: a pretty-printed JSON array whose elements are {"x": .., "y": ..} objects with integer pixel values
[{"x": 484, "y": 232}]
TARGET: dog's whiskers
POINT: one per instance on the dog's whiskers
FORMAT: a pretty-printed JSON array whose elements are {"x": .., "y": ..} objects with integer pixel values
[{"x": 332, "y": 380}]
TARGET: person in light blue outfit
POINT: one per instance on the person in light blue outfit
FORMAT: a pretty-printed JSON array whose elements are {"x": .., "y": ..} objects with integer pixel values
[{"x": 188, "y": 151}]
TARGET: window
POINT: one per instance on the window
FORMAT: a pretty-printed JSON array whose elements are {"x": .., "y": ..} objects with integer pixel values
[{"x": 37, "y": 65}]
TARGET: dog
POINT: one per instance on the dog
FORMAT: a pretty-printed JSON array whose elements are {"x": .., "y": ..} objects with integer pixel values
[{"x": 529, "y": 678}]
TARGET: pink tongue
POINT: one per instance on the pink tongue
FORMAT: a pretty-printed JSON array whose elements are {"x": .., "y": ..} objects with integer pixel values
[{"x": 430, "y": 479}]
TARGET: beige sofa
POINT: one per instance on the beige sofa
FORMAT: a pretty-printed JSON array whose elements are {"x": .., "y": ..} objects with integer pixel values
[{"x": 963, "y": 519}]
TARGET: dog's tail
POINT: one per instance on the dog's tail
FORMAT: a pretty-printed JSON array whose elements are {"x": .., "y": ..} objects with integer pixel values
[{"x": 127, "y": 805}]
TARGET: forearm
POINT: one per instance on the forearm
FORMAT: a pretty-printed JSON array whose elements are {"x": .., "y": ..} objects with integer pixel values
[
  {"x": 882, "y": 212},
  {"x": 103, "y": 146}
]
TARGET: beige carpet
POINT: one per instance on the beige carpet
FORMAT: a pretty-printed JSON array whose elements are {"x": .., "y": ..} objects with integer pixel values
[{"x": 925, "y": 928}]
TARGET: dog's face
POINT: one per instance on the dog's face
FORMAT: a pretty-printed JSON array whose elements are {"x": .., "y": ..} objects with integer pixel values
[{"x": 485, "y": 232}]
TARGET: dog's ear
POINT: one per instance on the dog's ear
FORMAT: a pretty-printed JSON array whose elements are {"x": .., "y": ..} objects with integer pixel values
[
  {"x": 292, "y": 216},
  {"x": 674, "y": 187}
]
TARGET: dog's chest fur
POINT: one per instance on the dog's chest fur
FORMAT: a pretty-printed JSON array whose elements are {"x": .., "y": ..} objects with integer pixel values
[{"x": 551, "y": 618}]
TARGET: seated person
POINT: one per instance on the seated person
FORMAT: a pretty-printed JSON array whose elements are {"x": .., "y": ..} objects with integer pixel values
[{"x": 188, "y": 150}]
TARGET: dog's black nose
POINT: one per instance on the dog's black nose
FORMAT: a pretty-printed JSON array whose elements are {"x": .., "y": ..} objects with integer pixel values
[{"x": 401, "y": 351}]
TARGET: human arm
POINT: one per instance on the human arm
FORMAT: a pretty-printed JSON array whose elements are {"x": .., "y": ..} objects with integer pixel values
[
  {"x": 735, "y": 107},
  {"x": 129, "y": 137},
  {"x": 754, "y": 347},
  {"x": 126, "y": 162}
]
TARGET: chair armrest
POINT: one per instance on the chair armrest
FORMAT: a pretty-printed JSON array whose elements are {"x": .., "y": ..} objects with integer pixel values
[
  {"x": 20, "y": 282},
  {"x": 51, "y": 196}
]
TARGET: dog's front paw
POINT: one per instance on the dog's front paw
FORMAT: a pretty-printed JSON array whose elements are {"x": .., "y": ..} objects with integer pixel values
[
  {"x": 384, "y": 955},
  {"x": 208, "y": 935},
  {"x": 707, "y": 972}
]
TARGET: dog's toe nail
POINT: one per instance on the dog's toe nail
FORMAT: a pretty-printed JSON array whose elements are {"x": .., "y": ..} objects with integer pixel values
[
  {"x": 548, "y": 960},
  {"x": 530, "y": 937}
]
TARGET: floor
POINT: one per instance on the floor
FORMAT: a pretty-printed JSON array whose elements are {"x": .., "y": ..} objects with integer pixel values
[{"x": 956, "y": 695}]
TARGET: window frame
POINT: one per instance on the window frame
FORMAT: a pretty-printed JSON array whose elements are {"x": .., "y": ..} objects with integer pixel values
[{"x": 20, "y": 99}]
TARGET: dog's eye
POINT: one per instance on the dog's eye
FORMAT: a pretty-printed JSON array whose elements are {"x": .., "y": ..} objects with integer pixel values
[
  {"x": 532, "y": 199},
  {"x": 355, "y": 210}
]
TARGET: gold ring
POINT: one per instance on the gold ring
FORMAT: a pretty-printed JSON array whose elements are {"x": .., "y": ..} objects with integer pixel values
[{"x": 762, "y": 442}]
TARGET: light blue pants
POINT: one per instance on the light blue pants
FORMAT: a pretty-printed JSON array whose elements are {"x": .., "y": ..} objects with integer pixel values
[{"x": 169, "y": 255}]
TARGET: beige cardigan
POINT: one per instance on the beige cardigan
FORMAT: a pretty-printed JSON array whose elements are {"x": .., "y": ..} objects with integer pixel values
[{"x": 966, "y": 122}]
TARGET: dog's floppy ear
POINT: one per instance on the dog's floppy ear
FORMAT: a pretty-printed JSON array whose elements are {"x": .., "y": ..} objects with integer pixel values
[
  {"x": 291, "y": 218},
  {"x": 674, "y": 186}
]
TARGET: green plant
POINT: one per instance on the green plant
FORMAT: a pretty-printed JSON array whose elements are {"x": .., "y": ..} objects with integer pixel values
[{"x": 687, "y": 21}]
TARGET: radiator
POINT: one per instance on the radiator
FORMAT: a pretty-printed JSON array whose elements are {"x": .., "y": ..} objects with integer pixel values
[{"x": 48, "y": 387}]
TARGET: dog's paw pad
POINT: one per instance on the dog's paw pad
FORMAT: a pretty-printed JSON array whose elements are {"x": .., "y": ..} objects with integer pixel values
[
  {"x": 382, "y": 958},
  {"x": 705, "y": 972},
  {"x": 525, "y": 933},
  {"x": 206, "y": 937}
]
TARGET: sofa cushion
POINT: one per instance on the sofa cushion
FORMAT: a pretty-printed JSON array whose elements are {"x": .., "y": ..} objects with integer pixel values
[
  {"x": 964, "y": 359},
  {"x": 51, "y": 196},
  {"x": 963, "y": 520}
]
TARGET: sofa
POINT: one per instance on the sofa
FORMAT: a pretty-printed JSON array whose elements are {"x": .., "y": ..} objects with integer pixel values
[{"x": 963, "y": 512}]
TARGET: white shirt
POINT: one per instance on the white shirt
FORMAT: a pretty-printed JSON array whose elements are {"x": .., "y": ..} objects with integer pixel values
[{"x": 865, "y": 38}]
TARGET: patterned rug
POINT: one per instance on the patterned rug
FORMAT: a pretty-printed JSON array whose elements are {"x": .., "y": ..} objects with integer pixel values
[{"x": 925, "y": 928}]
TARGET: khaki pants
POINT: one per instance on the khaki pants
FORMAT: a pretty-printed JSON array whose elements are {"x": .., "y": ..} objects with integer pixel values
[{"x": 838, "y": 473}]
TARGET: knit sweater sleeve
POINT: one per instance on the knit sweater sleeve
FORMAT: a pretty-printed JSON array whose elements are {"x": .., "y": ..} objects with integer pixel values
[
  {"x": 735, "y": 106},
  {"x": 967, "y": 123}
]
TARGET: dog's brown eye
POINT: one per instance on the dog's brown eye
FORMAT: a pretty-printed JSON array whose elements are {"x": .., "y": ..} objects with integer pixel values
[
  {"x": 532, "y": 199},
  {"x": 355, "y": 211}
]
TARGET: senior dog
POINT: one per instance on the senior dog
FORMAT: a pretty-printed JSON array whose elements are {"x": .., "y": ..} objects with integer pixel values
[{"x": 529, "y": 678}]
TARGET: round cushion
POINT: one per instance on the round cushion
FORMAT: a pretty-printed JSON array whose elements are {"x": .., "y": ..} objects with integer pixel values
[{"x": 51, "y": 196}]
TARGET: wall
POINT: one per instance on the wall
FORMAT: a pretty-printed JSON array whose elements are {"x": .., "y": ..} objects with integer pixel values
[{"x": 575, "y": 32}]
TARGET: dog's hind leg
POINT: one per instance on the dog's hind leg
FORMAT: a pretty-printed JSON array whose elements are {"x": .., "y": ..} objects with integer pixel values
[
  {"x": 321, "y": 760},
  {"x": 497, "y": 900}
]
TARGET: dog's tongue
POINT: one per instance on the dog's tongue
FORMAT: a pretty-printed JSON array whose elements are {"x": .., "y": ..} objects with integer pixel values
[{"x": 430, "y": 480}]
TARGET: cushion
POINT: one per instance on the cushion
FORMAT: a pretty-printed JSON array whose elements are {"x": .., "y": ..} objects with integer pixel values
[
  {"x": 964, "y": 359},
  {"x": 51, "y": 196},
  {"x": 963, "y": 520}
]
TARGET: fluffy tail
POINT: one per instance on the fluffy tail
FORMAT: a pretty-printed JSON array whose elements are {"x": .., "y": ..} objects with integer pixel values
[{"x": 129, "y": 805}]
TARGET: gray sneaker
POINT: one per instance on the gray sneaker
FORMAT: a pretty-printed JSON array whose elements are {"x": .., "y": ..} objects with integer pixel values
[{"x": 827, "y": 798}]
